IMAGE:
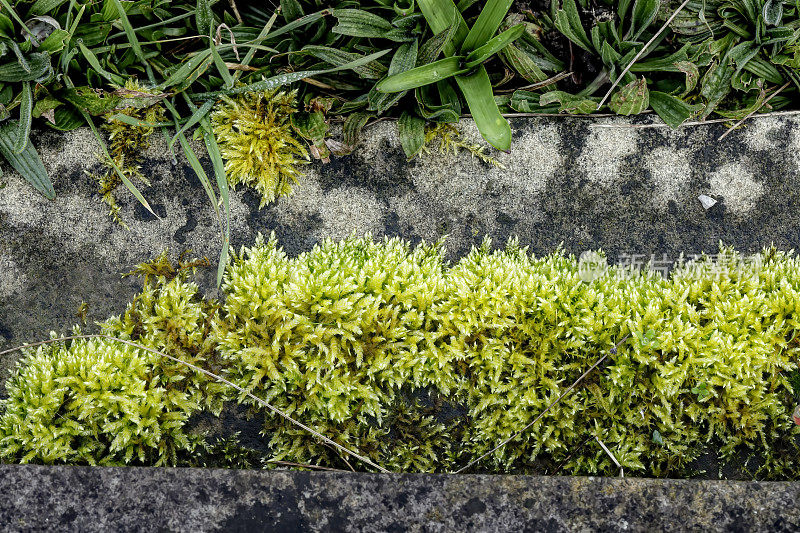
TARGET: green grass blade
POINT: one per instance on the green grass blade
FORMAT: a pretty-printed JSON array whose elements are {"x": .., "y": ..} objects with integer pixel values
[
  {"x": 202, "y": 176},
  {"x": 336, "y": 57},
  {"x": 222, "y": 68},
  {"x": 477, "y": 90},
  {"x": 494, "y": 45},
  {"x": 27, "y": 163},
  {"x": 196, "y": 117},
  {"x": 222, "y": 184},
  {"x": 133, "y": 40},
  {"x": 204, "y": 18},
  {"x": 291, "y": 77},
  {"x": 14, "y": 15},
  {"x": 191, "y": 157},
  {"x": 485, "y": 27},
  {"x": 133, "y": 121},
  {"x": 424, "y": 75},
  {"x": 441, "y": 14},
  {"x": 25, "y": 109},
  {"x": 116, "y": 79},
  {"x": 248, "y": 57},
  {"x": 185, "y": 70}
]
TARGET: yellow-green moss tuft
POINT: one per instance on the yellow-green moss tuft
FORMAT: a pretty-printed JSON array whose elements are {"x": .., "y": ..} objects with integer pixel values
[
  {"x": 126, "y": 144},
  {"x": 256, "y": 140},
  {"x": 94, "y": 402}
]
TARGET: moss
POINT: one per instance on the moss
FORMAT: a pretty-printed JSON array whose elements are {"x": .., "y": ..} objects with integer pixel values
[
  {"x": 424, "y": 366},
  {"x": 170, "y": 316},
  {"x": 333, "y": 335},
  {"x": 126, "y": 143},
  {"x": 93, "y": 402},
  {"x": 451, "y": 141},
  {"x": 103, "y": 402},
  {"x": 255, "y": 137}
]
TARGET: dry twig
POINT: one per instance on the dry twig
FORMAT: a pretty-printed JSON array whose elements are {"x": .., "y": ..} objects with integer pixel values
[
  {"x": 645, "y": 47},
  {"x": 753, "y": 112}
]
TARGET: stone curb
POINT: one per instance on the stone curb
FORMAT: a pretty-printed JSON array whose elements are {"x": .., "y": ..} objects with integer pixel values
[
  {"x": 37, "y": 498},
  {"x": 583, "y": 184}
]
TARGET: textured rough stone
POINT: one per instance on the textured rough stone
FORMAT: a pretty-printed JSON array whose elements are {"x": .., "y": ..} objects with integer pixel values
[
  {"x": 37, "y": 498},
  {"x": 580, "y": 183}
]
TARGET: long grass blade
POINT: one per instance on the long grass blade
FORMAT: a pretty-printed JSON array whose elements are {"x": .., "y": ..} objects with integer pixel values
[
  {"x": 248, "y": 57},
  {"x": 116, "y": 79},
  {"x": 132, "y": 39},
  {"x": 222, "y": 185},
  {"x": 25, "y": 109},
  {"x": 28, "y": 163},
  {"x": 291, "y": 77},
  {"x": 196, "y": 117}
]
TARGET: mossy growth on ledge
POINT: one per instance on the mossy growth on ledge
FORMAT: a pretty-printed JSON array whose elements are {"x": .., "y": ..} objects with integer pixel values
[{"x": 422, "y": 365}]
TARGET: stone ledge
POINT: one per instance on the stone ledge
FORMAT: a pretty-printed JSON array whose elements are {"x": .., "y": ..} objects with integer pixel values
[
  {"x": 154, "y": 499},
  {"x": 581, "y": 183}
]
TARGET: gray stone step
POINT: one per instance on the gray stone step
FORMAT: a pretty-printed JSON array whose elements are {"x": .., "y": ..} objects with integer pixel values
[
  {"x": 624, "y": 186},
  {"x": 40, "y": 498}
]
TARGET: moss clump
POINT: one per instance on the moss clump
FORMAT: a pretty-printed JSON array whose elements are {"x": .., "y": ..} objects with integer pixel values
[
  {"x": 331, "y": 337},
  {"x": 256, "y": 139},
  {"x": 126, "y": 143},
  {"x": 93, "y": 402},
  {"x": 334, "y": 335},
  {"x": 451, "y": 141},
  {"x": 170, "y": 316},
  {"x": 107, "y": 403},
  {"x": 425, "y": 366}
]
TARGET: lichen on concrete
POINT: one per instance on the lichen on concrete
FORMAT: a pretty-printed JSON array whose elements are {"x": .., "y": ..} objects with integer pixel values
[
  {"x": 738, "y": 188},
  {"x": 670, "y": 174},
  {"x": 606, "y": 150}
]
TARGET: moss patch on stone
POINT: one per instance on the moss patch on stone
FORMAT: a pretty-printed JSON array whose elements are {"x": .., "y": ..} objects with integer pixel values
[{"x": 422, "y": 365}]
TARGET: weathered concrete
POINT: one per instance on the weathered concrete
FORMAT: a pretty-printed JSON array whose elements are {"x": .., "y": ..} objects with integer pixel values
[
  {"x": 628, "y": 190},
  {"x": 37, "y": 498}
]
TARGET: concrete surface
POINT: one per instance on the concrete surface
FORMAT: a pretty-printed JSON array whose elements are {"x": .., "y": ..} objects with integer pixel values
[
  {"x": 577, "y": 182},
  {"x": 37, "y": 498}
]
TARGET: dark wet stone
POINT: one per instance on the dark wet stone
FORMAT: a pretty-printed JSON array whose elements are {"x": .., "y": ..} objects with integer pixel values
[{"x": 38, "y": 498}]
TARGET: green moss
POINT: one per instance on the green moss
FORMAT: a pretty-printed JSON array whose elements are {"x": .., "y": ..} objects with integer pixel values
[
  {"x": 93, "y": 402},
  {"x": 256, "y": 139},
  {"x": 334, "y": 334},
  {"x": 126, "y": 144},
  {"x": 424, "y": 366},
  {"x": 170, "y": 316},
  {"x": 330, "y": 338},
  {"x": 451, "y": 141},
  {"x": 103, "y": 402}
]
